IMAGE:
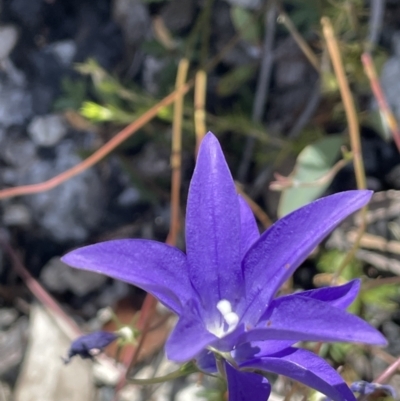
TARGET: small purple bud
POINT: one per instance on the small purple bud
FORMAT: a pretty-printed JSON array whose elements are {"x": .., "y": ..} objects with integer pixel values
[
  {"x": 90, "y": 345},
  {"x": 366, "y": 388}
]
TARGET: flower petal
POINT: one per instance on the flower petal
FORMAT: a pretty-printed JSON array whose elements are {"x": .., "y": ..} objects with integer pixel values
[
  {"x": 246, "y": 386},
  {"x": 153, "y": 266},
  {"x": 189, "y": 337},
  {"x": 307, "y": 368},
  {"x": 307, "y": 319},
  {"x": 206, "y": 362},
  {"x": 246, "y": 351},
  {"x": 249, "y": 233},
  {"x": 90, "y": 345},
  {"x": 285, "y": 245},
  {"x": 340, "y": 296},
  {"x": 213, "y": 229}
]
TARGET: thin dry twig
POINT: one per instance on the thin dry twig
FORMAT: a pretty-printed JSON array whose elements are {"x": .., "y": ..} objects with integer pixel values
[
  {"x": 354, "y": 131},
  {"x": 283, "y": 183},
  {"x": 348, "y": 101},
  {"x": 100, "y": 153},
  {"x": 380, "y": 97},
  {"x": 256, "y": 209},
  {"x": 38, "y": 291},
  {"x": 176, "y": 155},
  {"x": 200, "y": 91},
  {"x": 304, "y": 46}
]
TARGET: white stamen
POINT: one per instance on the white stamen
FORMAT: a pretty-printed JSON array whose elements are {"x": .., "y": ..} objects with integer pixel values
[
  {"x": 231, "y": 319},
  {"x": 224, "y": 306}
]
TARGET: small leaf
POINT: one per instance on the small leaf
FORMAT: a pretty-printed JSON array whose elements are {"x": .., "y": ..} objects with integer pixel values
[
  {"x": 245, "y": 25},
  {"x": 314, "y": 162}
]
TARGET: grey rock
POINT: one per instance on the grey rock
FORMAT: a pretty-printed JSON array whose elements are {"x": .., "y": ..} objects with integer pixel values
[
  {"x": 7, "y": 317},
  {"x": 112, "y": 293},
  {"x": 12, "y": 347},
  {"x": 8, "y": 39},
  {"x": 17, "y": 150},
  {"x": 16, "y": 214},
  {"x": 69, "y": 211},
  {"x": 129, "y": 197},
  {"x": 28, "y": 12},
  {"x": 132, "y": 16},
  {"x": 64, "y": 51},
  {"x": 153, "y": 161},
  {"x": 178, "y": 14},
  {"x": 59, "y": 277},
  {"x": 15, "y": 104},
  {"x": 152, "y": 70},
  {"x": 47, "y": 130}
]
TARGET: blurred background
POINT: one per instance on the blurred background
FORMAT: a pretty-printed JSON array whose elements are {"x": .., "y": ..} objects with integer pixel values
[{"x": 74, "y": 73}]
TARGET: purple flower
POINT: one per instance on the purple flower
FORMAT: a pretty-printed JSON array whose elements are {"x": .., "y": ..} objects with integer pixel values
[
  {"x": 223, "y": 289},
  {"x": 90, "y": 345},
  {"x": 366, "y": 388}
]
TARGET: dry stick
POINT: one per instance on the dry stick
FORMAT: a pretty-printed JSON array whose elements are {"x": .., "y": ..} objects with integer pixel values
[
  {"x": 306, "y": 49},
  {"x": 370, "y": 72},
  {"x": 348, "y": 102},
  {"x": 388, "y": 373},
  {"x": 38, "y": 291},
  {"x": 256, "y": 209},
  {"x": 354, "y": 131},
  {"x": 100, "y": 153},
  {"x": 176, "y": 156},
  {"x": 200, "y": 91}
]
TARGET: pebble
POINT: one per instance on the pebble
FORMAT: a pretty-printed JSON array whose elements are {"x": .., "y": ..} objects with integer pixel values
[
  {"x": 47, "y": 130},
  {"x": 8, "y": 39},
  {"x": 132, "y": 16},
  {"x": 15, "y": 104},
  {"x": 71, "y": 210},
  {"x": 64, "y": 51},
  {"x": 16, "y": 214},
  {"x": 59, "y": 277}
]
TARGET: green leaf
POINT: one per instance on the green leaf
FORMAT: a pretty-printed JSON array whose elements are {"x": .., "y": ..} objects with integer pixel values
[
  {"x": 383, "y": 296},
  {"x": 314, "y": 162},
  {"x": 234, "y": 79},
  {"x": 245, "y": 25}
]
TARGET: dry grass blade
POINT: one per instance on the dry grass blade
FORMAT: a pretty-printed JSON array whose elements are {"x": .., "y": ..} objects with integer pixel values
[
  {"x": 176, "y": 155},
  {"x": 354, "y": 130},
  {"x": 200, "y": 91}
]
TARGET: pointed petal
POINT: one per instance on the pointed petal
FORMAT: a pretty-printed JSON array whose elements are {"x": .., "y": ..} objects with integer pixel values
[
  {"x": 307, "y": 319},
  {"x": 246, "y": 351},
  {"x": 285, "y": 245},
  {"x": 213, "y": 228},
  {"x": 206, "y": 361},
  {"x": 189, "y": 337},
  {"x": 341, "y": 296},
  {"x": 153, "y": 266},
  {"x": 249, "y": 233},
  {"x": 307, "y": 368},
  {"x": 246, "y": 386}
]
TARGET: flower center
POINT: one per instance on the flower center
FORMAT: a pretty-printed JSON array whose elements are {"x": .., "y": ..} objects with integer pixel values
[{"x": 229, "y": 322}]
